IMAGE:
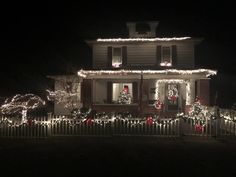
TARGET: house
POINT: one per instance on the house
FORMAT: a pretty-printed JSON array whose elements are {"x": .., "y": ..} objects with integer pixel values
[{"x": 141, "y": 74}]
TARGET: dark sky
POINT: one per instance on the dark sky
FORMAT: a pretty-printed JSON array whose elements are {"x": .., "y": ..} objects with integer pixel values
[{"x": 39, "y": 39}]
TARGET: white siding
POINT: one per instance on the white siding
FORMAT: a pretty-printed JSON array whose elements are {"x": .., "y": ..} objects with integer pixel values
[
  {"x": 144, "y": 54},
  {"x": 185, "y": 55},
  {"x": 100, "y": 56},
  {"x": 141, "y": 54}
]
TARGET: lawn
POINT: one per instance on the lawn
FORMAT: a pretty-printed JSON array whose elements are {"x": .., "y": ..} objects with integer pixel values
[{"x": 117, "y": 156}]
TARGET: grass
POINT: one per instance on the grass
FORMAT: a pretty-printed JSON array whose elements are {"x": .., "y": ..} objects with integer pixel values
[{"x": 117, "y": 156}]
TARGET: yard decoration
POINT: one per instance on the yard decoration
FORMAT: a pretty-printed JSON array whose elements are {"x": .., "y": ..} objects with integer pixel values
[
  {"x": 158, "y": 104},
  {"x": 149, "y": 120},
  {"x": 173, "y": 94},
  {"x": 198, "y": 128},
  {"x": 21, "y": 104},
  {"x": 89, "y": 121}
]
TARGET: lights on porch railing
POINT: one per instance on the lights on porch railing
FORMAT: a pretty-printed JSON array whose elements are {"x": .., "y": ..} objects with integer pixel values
[{"x": 142, "y": 39}]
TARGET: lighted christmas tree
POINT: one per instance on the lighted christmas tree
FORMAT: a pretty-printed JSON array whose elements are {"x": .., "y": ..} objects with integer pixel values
[{"x": 125, "y": 97}]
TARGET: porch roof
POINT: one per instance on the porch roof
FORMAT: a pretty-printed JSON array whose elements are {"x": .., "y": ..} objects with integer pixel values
[{"x": 147, "y": 74}]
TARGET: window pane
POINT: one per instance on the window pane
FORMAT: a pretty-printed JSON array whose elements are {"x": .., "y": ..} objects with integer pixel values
[
  {"x": 117, "y": 57},
  {"x": 116, "y": 51},
  {"x": 122, "y": 93},
  {"x": 166, "y": 55}
]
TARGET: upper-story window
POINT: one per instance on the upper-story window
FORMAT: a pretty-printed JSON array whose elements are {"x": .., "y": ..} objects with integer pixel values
[
  {"x": 116, "y": 57},
  {"x": 166, "y": 56}
]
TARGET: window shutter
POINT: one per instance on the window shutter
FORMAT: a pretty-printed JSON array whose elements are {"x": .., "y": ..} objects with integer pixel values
[
  {"x": 109, "y": 57},
  {"x": 135, "y": 92},
  {"x": 109, "y": 92},
  {"x": 158, "y": 55},
  {"x": 174, "y": 55},
  {"x": 87, "y": 92},
  {"x": 124, "y": 56}
]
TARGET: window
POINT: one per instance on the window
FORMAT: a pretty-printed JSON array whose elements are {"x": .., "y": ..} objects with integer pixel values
[
  {"x": 142, "y": 28},
  {"x": 122, "y": 93},
  {"x": 166, "y": 56},
  {"x": 116, "y": 57}
]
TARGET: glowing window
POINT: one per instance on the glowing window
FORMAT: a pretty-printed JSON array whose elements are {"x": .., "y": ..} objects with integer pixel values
[
  {"x": 116, "y": 57},
  {"x": 166, "y": 56}
]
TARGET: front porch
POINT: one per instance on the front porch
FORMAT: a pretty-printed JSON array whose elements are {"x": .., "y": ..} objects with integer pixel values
[{"x": 162, "y": 92}]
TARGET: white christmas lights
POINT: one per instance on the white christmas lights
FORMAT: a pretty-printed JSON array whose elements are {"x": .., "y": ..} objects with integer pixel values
[
  {"x": 84, "y": 73},
  {"x": 178, "y": 81},
  {"x": 63, "y": 97},
  {"x": 142, "y": 39},
  {"x": 165, "y": 64},
  {"x": 21, "y": 104}
]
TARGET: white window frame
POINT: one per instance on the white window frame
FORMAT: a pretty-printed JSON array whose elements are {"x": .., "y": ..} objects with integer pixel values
[
  {"x": 117, "y": 65},
  {"x": 163, "y": 63}
]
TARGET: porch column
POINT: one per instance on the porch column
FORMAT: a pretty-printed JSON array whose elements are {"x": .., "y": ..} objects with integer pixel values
[
  {"x": 141, "y": 95},
  {"x": 190, "y": 91}
]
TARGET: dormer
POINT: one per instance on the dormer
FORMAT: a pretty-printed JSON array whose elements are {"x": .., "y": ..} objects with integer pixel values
[{"x": 142, "y": 29}]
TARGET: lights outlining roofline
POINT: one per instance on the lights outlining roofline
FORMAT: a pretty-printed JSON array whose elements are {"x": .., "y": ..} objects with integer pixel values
[
  {"x": 142, "y": 39},
  {"x": 84, "y": 73}
]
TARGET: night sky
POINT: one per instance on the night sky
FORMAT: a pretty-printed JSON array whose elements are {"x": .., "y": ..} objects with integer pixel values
[{"x": 40, "y": 39}]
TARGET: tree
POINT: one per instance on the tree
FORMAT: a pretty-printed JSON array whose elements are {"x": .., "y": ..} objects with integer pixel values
[
  {"x": 21, "y": 104},
  {"x": 65, "y": 98}
]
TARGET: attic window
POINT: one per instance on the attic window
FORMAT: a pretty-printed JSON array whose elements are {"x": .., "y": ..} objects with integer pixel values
[{"x": 142, "y": 28}]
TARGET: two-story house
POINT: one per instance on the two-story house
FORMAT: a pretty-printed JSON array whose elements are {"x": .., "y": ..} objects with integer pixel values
[{"x": 142, "y": 73}]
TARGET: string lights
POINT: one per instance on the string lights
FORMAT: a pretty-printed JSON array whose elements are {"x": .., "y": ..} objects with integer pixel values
[
  {"x": 142, "y": 39},
  {"x": 85, "y": 73},
  {"x": 68, "y": 99},
  {"x": 21, "y": 104}
]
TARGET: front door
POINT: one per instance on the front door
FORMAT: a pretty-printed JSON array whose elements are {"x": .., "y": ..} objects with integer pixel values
[{"x": 172, "y": 97}]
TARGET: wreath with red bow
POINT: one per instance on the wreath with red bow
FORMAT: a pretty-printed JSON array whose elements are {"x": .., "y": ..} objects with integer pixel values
[{"x": 158, "y": 104}]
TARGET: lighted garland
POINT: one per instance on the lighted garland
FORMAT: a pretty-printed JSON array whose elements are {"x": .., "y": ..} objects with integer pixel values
[
  {"x": 142, "y": 39},
  {"x": 85, "y": 73},
  {"x": 100, "y": 119}
]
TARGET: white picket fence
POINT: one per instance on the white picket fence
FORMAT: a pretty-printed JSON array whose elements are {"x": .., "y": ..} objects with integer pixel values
[
  {"x": 64, "y": 126},
  {"x": 222, "y": 125},
  {"x": 227, "y": 122}
]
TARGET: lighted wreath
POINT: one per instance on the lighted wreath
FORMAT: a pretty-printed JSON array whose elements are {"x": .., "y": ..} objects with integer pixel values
[
  {"x": 158, "y": 104},
  {"x": 173, "y": 94}
]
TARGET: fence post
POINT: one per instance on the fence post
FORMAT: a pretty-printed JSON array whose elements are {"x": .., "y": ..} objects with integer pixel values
[
  {"x": 49, "y": 123},
  {"x": 180, "y": 131},
  {"x": 218, "y": 120}
]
